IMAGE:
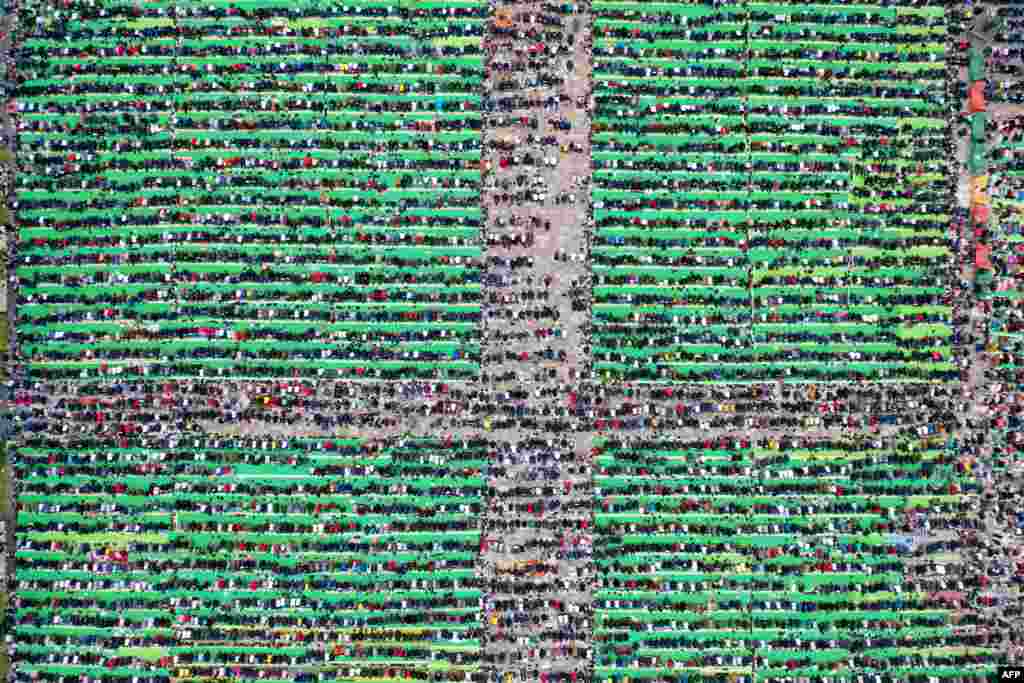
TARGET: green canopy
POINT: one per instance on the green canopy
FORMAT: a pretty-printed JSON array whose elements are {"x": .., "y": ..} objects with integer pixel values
[
  {"x": 978, "y": 122},
  {"x": 975, "y": 65},
  {"x": 976, "y": 161}
]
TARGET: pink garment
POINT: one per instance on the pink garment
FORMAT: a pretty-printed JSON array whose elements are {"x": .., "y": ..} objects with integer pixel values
[
  {"x": 976, "y": 97},
  {"x": 981, "y": 256}
]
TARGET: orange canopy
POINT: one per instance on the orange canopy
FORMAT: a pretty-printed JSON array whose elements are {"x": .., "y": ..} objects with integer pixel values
[{"x": 976, "y": 97}]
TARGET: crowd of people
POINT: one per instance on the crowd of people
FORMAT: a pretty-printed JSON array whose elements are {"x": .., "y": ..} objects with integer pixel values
[
  {"x": 230, "y": 216},
  {"x": 999, "y": 554},
  {"x": 1005, "y": 59},
  {"x": 680, "y": 584},
  {"x": 265, "y": 169},
  {"x": 818, "y": 226},
  {"x": 352, "y": 551},
  {"x": 536, "y": 554}
]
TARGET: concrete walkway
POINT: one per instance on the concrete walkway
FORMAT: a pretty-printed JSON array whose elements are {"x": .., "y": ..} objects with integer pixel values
[{"x": 535, "y": 563}]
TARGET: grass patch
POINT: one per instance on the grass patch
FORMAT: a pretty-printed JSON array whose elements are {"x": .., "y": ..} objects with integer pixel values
[
  {"x": 307, "y": 22},
  {"x": 151, "y": 23},
  {"x": 456, "y": 41},
  {"x": 112, "y": 539},
  {"x": 148, "y": 654},
  {"x": 923, "y": 331}
]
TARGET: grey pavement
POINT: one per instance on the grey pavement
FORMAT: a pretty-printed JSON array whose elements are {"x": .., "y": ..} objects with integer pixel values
[{"x": 537, "y": 525}]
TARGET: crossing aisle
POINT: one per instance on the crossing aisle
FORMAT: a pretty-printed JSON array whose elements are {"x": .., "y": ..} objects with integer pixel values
[{"x": 535, "y": 561}]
